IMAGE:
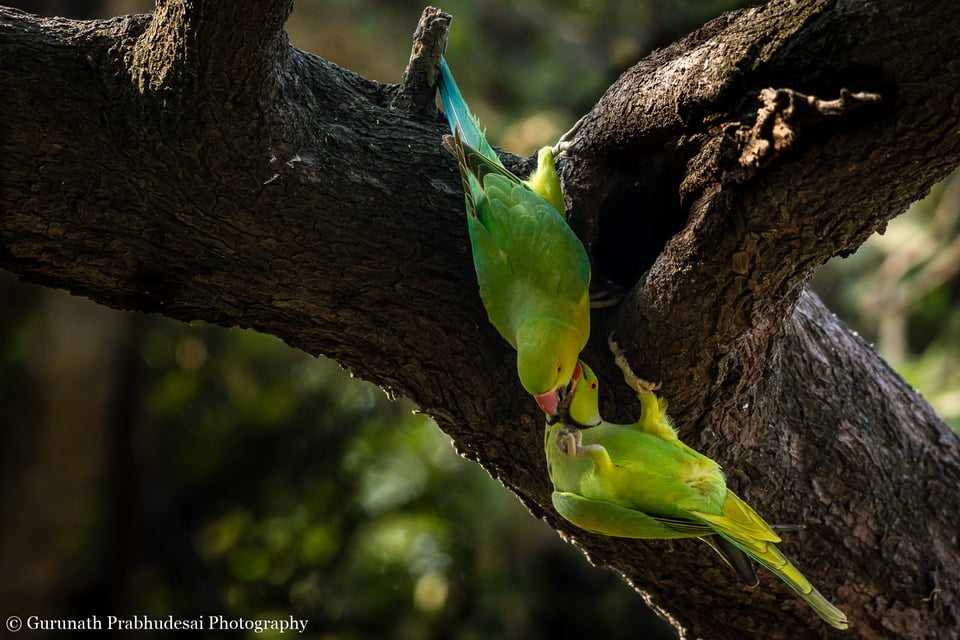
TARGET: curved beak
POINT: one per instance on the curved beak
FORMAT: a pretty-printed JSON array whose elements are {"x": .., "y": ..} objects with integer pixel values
[
  {"x": 552, "y": 402},
  {"x": 549, "y": 402}
]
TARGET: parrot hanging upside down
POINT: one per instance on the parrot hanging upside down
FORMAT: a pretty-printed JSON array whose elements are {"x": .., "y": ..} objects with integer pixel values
[
  {"x": 532, "y": 270},
  {"x": 641, "y": 481}
]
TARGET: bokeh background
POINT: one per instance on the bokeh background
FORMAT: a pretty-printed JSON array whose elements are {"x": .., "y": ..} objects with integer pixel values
[{"x": 151, "y": 467}]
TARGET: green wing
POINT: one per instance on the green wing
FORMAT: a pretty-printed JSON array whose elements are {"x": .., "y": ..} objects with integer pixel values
[
  {"x": 585, "y": 491},
  {"x": 600, "y": 516},
  {"x": 528, "y": 260}
]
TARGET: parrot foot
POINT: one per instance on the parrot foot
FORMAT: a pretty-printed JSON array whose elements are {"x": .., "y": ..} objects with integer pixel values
[
  {"x": 565, "y": 141},
  {"x": 635, "y": 382},
  {"x": 603, "y": 300},
  {"x": 568, "y": 441},
  {"x": 604, "y": 293}
]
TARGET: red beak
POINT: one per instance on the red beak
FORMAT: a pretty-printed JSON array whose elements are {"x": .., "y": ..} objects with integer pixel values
[{"x": 548, "y": 402}]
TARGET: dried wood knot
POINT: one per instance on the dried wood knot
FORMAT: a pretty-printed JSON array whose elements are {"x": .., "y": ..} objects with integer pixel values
[
  {"x": 417, "y": 91},
  {"x": 781, "y": 114}
]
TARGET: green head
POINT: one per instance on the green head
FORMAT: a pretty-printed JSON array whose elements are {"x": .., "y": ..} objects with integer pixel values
[
  {"x": 545, "y": 183},
  {"x": 547, "y": 352},
  {"x": 584, "y": 401}
]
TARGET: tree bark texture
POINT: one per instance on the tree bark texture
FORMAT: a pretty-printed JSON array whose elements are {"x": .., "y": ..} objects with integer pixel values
[{"x": 192, "y": 163}]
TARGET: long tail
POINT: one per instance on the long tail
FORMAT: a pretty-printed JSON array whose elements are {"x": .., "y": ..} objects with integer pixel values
[
  {"x": 776, "y": 562},
  {"x": 459, "y": 115},
  {"x": 543, "y": 181},
  {"x": 741, "y": 525}
]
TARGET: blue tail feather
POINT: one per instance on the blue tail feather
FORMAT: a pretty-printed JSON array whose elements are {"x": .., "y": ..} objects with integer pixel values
[{"x": 459, "y": 116}]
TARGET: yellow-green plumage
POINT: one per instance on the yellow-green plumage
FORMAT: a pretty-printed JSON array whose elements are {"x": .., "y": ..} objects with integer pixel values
[
  {"x": 532, "y": 270},
  {"x": 641, "y": 481},
  {"x": 545, "y": 183}
]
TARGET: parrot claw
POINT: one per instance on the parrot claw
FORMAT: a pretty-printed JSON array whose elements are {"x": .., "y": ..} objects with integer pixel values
[
  {"x": 568, "y": 441},
  {"x": 565, "y": 141},
  {"x": 604, "y": 293},
  {"x": 603, "y": 299},
  {"x": 635, "y": 382}
]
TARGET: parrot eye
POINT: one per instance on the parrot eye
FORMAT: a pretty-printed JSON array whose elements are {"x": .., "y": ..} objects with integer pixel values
[{"x": 593, "y": 386}]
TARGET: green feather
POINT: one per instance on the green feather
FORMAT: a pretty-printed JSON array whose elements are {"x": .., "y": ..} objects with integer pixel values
[{"x": 532, "y": 270}]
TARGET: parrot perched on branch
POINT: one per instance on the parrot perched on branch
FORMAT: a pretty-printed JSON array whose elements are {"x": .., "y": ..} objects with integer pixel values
[
  {"x": 532, "y": 270},
  {"x": 640, "y": 481}
]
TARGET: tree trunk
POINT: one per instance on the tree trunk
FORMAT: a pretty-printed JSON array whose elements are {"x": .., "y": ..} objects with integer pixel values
[{"x": 193, "y": 163}]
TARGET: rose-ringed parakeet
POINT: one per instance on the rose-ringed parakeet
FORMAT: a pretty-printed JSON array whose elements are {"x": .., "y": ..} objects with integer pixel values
[
  {"x": 532, "y": 270},
  {"x": 640, "y": 481}
]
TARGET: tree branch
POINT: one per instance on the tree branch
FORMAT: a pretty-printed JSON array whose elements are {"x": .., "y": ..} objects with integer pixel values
[
  {"x": 675, "y": 131},
  {"x": 153, "y": 164}
]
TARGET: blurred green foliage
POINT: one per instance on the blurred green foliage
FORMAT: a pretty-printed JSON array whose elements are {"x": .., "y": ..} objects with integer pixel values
[
  {"x": 248, "y": 479},
  {"x": 219, "y": 471}
]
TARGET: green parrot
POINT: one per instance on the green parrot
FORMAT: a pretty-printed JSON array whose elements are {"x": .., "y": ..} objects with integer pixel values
[
  {"x": 532, "y": 270},
  {"x": 640, "y": 481}
]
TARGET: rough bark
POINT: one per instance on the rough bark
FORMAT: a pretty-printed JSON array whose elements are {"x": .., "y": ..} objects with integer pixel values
[{"x": 193, "y": 163}]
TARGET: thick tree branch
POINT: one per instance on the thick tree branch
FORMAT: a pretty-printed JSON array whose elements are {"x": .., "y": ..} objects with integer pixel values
[
  {"x": 677, "y": 122},
  {"x": 154, "y": 164}
]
